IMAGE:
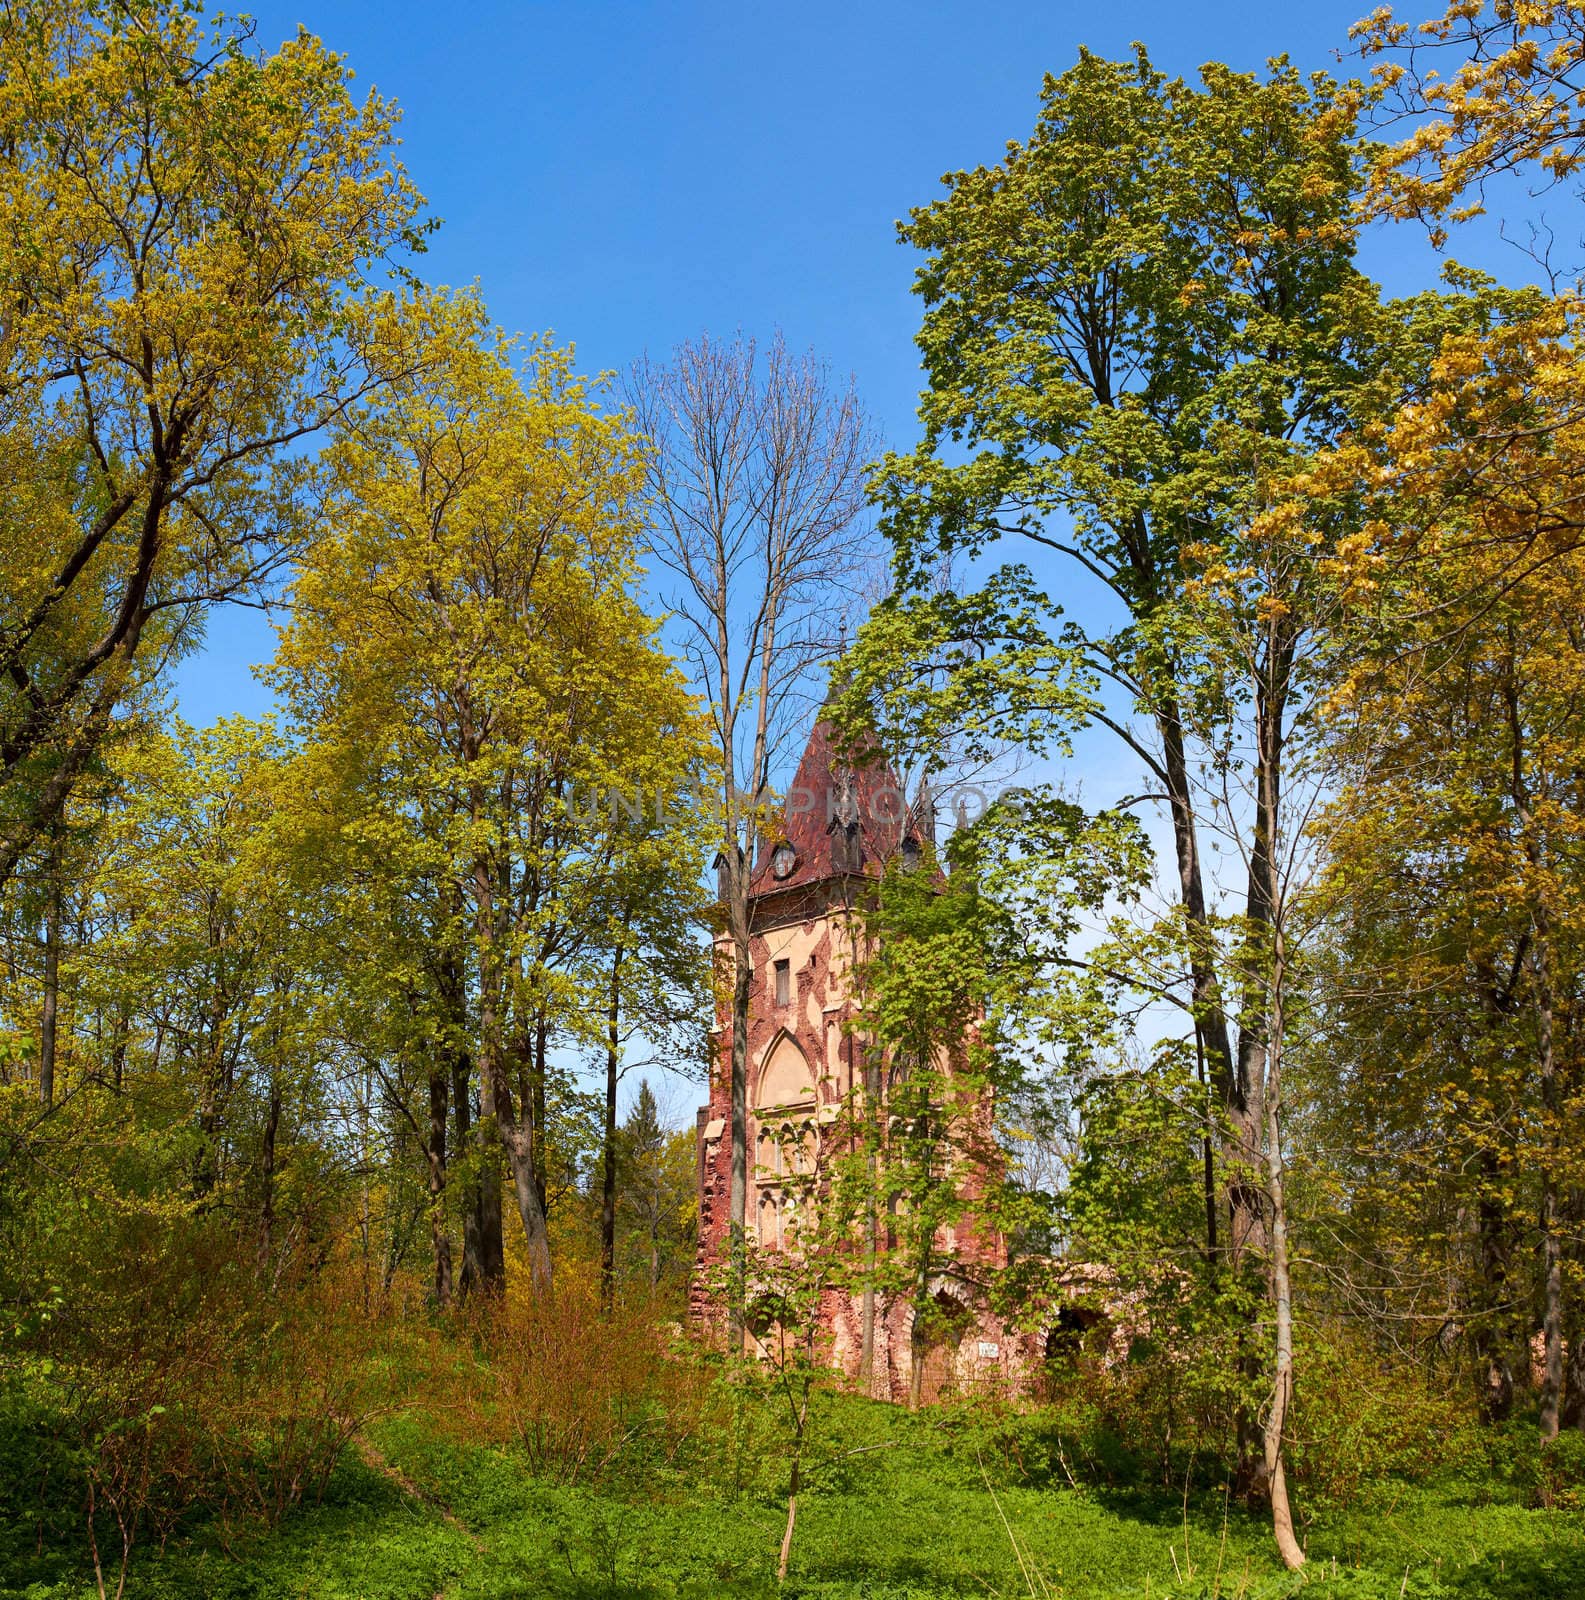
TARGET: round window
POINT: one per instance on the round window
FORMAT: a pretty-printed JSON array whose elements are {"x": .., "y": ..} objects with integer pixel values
[{"x": 783, "y": 859}]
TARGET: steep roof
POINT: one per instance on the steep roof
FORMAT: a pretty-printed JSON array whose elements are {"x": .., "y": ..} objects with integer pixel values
[{"x": 838, "y": 817}]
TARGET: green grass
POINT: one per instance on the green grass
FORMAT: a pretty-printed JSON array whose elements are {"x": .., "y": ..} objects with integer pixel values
[{"x": 916, "y": 1519}]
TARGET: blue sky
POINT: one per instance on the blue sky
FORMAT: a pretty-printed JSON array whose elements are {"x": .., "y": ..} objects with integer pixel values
[{"x": 627, "y": 175}]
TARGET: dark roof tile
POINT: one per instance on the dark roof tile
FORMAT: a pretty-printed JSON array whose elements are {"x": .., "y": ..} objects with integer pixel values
[{"x": 827, "y": 798}]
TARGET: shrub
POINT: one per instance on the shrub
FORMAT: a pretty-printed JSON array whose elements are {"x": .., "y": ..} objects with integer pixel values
[
  {"x": 167, "y": 1372},
  {"x": 1511, "y": 1454},
  {"x": 1560, "y": 1475},
  {"x": 1360, "y": 1415},
  {"x": 581, "y": 1391}
]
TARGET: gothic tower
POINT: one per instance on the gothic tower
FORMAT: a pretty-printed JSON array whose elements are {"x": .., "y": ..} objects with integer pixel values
[{"x": 838, "y": 829}]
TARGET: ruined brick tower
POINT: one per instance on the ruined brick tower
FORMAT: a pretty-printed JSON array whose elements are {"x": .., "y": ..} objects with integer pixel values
[{"x": 839, "y": 828}]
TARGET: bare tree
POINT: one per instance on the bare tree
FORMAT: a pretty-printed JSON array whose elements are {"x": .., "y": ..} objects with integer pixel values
[{"x": 758, "y": 531}]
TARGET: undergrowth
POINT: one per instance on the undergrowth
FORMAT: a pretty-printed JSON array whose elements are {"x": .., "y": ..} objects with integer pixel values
[
  {"x": 909, "y": 1507},
  {"x": 565, "y": 1453}
]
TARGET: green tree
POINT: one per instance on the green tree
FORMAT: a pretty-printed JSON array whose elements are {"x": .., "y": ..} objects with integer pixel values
[
  {"x": 658, "y": 987},
  {"x": 960, "y": 991},
  {"x": 1138, "y": 326},
  {"x": 657, "y": 1187},
  {"x": 466, "y": 660}
]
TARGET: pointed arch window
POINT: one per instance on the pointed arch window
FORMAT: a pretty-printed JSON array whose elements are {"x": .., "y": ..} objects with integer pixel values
[{"x": 785, "y": 1144}]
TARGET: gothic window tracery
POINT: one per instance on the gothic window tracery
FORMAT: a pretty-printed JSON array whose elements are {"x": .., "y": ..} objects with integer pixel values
[{"x": 784, "y": 1141}]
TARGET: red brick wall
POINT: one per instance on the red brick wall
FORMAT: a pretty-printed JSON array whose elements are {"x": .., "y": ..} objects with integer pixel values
[{"x": 807, "y": 925}]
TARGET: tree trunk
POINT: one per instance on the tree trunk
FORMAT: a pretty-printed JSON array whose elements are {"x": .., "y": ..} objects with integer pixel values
[
  {"x": 1546, "y": 1050},
  {"x": 536, "y": 1101},
  {"x": 435, "y": 1161},
  {"x": 211, "y": 1093},
  {"x": 1572, "y": 1411},
  {"x": 1241, "y": 1132},
  {"x": 919, "y": 1331},
  {"x": 500, "y": 1129},
  {"x": 52, "y": 970},
  {"x": 1281, "y": 1286},
  {"x": 272, "y": 1127},
  {"x": 516, "y": 1141},
  {"x": 737, "y": 1090},
  {"x": 608, "y": 1171},
  {"x": 502, "y": 1132},
  {"x": 792, "y": 1517},
  {"x": 1238, "y": 1134},
  {"x": 1572, "y": 1414},
  {"x": 118, "y": 1050},
  {"x": 365, "y": 1218},
  {"x": 1258, "y": 1074},
  {"x": 1551, "y": 1234},
  {"x": 491, "y": 1235},
  {"x": 483, "y": 1248},
  {"x": 918, "y": 1351},
  {"x": 1491, "y": 1325},
  {"x": 1207, "y": 1153}
]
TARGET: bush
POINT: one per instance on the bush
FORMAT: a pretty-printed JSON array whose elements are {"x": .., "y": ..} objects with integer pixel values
[
  {"x": 166, "y": 1373},
  {"x": 1511, "y": 1456},
  {"x": 1360, "y": 1416},
  {"x": 581, "y": 1391},
  {"x": 1170, "y": 1407},
  {"x": 1560, "y": 1472}
]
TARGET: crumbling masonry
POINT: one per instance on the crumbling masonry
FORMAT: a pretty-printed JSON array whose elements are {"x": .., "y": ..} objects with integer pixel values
[{"x": 839, "y": 828}]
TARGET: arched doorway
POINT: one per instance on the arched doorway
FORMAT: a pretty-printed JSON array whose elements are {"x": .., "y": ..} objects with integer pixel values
[
  {"x": 938, "y": 1337},
  {"x": 1075, "y": 1342}
]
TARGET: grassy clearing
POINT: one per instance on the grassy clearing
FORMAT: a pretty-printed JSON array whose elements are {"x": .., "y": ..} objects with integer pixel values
[{"x": 923, "y": 1512}]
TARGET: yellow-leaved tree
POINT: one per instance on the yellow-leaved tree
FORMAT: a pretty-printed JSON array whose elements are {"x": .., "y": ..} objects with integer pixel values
[
  {"x": 1457, "y": 884},
  {"x": 475, "y": 681},
  {"x": 184, "y": 221}
]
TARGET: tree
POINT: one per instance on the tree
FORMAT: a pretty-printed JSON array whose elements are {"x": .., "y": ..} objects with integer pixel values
[
  {"x": 1512, "y": 105},
  {"x": 1137, "y": 325},
  {"x": 756, "y": 482},
  {"x": 656, "y": 981},
  {"x": 926, "y": 986},
  {"x": 199, "y": 938},
  {"x": 1462, "y": 823},
  {"x": 657, "y": 1184},
  {"x": 384, "y": 955},
  {"x": 465, "y": 659},
  {"x": 183, "y": 1012},
  {"x": 1488, "y": 456},
  {"x": 1472, "y": 497},
  {"x": 188, "y": 221}
]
